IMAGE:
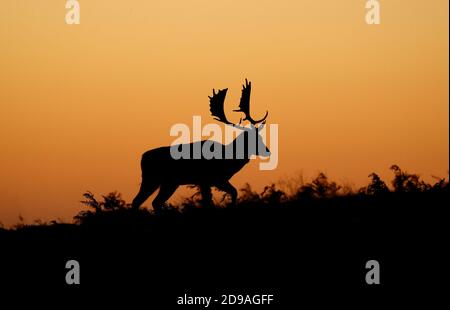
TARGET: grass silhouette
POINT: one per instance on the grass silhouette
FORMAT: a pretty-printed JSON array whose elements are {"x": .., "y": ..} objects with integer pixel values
[
  {"x": 316, "y": 234},
  {"x": 320, "y": 193}
]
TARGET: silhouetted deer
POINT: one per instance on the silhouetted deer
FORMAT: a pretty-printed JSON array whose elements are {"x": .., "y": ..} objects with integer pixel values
[{"x": 160, "y": 169}]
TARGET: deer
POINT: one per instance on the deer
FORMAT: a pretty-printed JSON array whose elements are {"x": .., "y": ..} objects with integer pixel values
[{"x": 160, "y": 169}]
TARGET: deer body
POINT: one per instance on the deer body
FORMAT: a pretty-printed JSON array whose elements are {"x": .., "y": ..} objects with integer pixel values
[
  {"x": 160, "y": 169},
  {"x": 158, "y": 164}
]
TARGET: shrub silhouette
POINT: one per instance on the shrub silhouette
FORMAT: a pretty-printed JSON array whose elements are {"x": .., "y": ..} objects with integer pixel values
[
  {"x": 320, "y": 188},
  {"x": 376, "y": 187},
  {"x": 405, "y": 182},
  {"x": 272, "y": 195},
  {"x": 112, "y": 202},
  {"x": 319, "y": 223},
  {"x": 248, "y": 195}
]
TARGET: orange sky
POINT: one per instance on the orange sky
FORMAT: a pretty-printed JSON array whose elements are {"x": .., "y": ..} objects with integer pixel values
[{"x": 79, "y": 104}]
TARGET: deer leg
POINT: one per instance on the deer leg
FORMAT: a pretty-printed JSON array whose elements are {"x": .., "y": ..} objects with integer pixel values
[
  {"x": 165, "y": 191},
  {"x": 205, "y": 190},
  {"x": 147, "y": 188},
  {"x": 229, "y": 189}
]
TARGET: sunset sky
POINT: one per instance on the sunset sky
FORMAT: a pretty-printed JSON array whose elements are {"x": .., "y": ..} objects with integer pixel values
[{"x": 79, "y": 104}]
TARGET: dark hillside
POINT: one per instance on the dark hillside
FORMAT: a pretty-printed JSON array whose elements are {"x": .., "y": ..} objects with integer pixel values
[{"x": 317, "y": 239}]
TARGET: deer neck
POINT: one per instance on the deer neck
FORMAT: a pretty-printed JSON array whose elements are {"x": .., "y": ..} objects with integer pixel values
[{"x": 239, "y": 148}]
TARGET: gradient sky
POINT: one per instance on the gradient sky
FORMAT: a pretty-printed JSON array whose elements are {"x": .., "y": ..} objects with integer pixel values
[{"x": 79, "y": 104}]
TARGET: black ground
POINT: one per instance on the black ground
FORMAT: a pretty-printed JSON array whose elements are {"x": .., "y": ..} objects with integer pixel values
[{"x": 289, "y": 248}]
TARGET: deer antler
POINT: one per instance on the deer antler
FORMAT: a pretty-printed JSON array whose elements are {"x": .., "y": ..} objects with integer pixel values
[
  {"x": 216, "y": 102},
  {"x": 244, "y": 105}
]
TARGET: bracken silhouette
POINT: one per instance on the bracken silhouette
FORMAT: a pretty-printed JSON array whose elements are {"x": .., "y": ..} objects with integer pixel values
[{"x": 318, "y": 234}]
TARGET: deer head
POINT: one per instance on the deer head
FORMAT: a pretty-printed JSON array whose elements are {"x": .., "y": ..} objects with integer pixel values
[{"x": 252, "y": 140}]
